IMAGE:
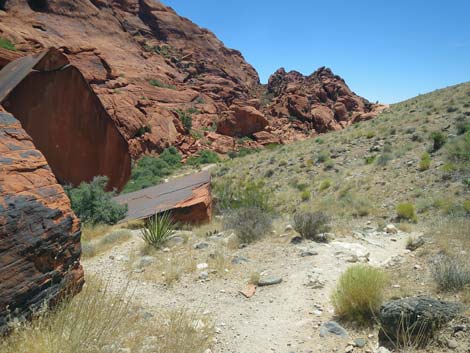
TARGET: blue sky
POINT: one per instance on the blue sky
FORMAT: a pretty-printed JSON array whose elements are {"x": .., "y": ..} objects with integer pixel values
[{"x": 386, "y": 50}]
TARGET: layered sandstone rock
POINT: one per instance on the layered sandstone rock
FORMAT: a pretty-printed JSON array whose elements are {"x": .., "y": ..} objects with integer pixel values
[
  {"x": 39, "y": 233},
  {"x": 321, "y": 101},
  {"x": 242, "y": 121},
  {"x": 146, "y": 63}
]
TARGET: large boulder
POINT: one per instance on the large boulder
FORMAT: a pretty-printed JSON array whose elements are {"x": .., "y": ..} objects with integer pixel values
[
  {"x": 39, "y": 233},
  {"x": 414, "y": 319},
  {"x": 243, "y": 121}
]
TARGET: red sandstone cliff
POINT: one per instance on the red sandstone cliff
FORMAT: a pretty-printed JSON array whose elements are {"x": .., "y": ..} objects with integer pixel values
[{"x": 146, "y": 64}]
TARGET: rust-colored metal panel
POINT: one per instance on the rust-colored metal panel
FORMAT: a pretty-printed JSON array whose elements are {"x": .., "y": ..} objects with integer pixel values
[
  {"x": 189, "y": 196},
  {"x": 65, "y": 118}
]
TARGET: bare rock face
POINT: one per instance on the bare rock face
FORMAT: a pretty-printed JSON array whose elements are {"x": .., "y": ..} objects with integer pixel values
[
  {"x": 39, "y": 233},
  {"x": 242, "y": 121},
  {"x": 321, "y": 102},
  {"x": 145, "y": 63}
]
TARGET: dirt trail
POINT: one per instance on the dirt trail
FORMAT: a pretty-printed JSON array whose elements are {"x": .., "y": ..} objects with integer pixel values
[{"x": 280, "y": 318}]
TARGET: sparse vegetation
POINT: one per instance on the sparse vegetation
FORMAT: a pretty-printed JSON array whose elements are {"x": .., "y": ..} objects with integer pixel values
[
  {"x": 92, "y": 204},
  {"x": 158, "y": 229},
  {"x": 204, "y": 157},
  {"x": 158, "y": 83},
  {"x": 451, "y": 273},
  {"x": 425, "y": 162},
  {"x": 311, "y": 224},
  {"x": 7, "y": 44},
  {"x": 438, "y": 140},
  {"x": 249, "y": 223},
  {"x": 359, "y": 293},
  {"x": 105, "y": 242},
  {"x": 244, "y": 194},
  {"x": 406, "y": 211},
  {"x": 186, "y": 118},
  {"x": 149, "y": 170}
]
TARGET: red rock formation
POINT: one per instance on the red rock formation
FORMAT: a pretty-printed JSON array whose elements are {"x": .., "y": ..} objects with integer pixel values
[
  {"x": 39, "y": 233},
  {"x": 321, "y": 101},
  {"x": 145, "y": 62},
  {"x": 242, "y": 121}
]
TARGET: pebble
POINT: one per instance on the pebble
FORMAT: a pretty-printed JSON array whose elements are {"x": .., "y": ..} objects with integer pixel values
[
  {"x": 203, "y": 275},
  {"x": 269, "y": 281},
  {"x": 452, "y": 344},
  {"x": 308, "y": 253},
  {"x": 201, "y": 245},
  {"x": 360, "y": 342},
  {"x": 202, "y": 266},
  {"x": 332, "y": 327}
]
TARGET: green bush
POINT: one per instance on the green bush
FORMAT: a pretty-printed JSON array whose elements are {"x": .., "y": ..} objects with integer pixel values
[
  {"x": 359, "y": 293},
  {"x": 425, "y": 162},
  {"x": 157, "y": 83},
  {"x": 249, "y": 223},
  {"x": 149, "y": 170},
  {"x": 92, "y": 204},
  {"x": 204, "y": 157},
  {"x": 406, "y": 211},
  {"x": 245, "y": 194},
  {"x": 383, "y": 159},
  {"x": 6, "y": 44},
  {"x": 325, "y": 184},
  {"x": 458, "y": 150},
  {"x": 186, "y": 119},
  {"x": 305, "y": 195},
  {"x": 438, "y": 140},
  {"x": 158, "y": 229},
  {"x": 369, "y": 159},
  {"x": 311, "y": 224}
]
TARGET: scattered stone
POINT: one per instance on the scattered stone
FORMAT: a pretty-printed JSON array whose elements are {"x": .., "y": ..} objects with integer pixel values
[
  {"x": 231, "y": 241},
  {"x": 452, "y": 344},
  {"x": 332, "y": 328},
  {"x": 203, "y": 275},
  {"x": 391, "y": 229},
  {"x": 349, "y": 349},
  {"x": 174, "y": 241},
  {"x": 415, "y": 243},
  {"x": 201, "y": 245},
  {"x": 144, "y": 261},
  {"x": 417, "y": 317},
  {"x": 242, "y": 246},
  {"x": 360, "y": 342},
  {"x": 288, "y": 228},
  {"x": 296, "y": 239},
  {"x": 237, "y": 260},
  {"x": 308, "y": 253},
  {"x": 249, "y": 291},
  {"x": 202, "y": 266},
  {"x": 459, "y": 328},
  {"x": 269, "y": 281}
]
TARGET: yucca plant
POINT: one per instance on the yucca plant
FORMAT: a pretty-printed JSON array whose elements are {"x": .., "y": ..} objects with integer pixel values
[{"x": 158, "y": 229}]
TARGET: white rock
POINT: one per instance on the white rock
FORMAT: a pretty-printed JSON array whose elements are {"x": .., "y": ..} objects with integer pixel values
[
  {"x": 391, "y": 229},
  {"x": 202, "y": 266}
]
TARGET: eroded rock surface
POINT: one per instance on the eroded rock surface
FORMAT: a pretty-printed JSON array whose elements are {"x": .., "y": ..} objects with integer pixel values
[
  {"x": 39, "y": 233},
  {"x": 147, "y": 65}
]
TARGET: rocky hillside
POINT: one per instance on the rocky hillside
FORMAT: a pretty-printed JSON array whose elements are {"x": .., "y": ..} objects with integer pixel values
[{"x": 166, "y": 81}]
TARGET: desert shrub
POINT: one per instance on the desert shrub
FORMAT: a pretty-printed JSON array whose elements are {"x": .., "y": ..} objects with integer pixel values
[
  {"x": 462, "y": 125},
  {"x": 451, "y": 273},
  {"x": 323, "y": 156},
  {"x": 369, "y": 159},
  {"x": 244, "y": 194},
  {"x": 249, "y": 223},
  {"x": 158, "y": 83},
  {"x": 186, "y": 119},
  {"x": 370, "y": 134},
  {"x": 158, "y": 229},
  {"x": 359, "y": 293},
  {"x": 458, "y": 150},
  {"x": 406, "y": 211},
  {"x": 141, "y": 131},
  {"x": 438, "y": 139},
  {"x": 150, "y": 170},
  {"x": 204, "y": 157},
  {"x": 311, "y": 224},
  {"x": 6, "y": 44},
  {"x": 325, "y": 184},
  {"x": 305, "y": 195},
  {"x": 383, "y": 159},
  {"x": 92, "y": 204},
  {"x": 425, "y": 162},
  {"x": 451, "y": 109}
]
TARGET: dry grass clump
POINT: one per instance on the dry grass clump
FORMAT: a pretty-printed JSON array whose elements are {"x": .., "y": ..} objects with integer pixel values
[
  {"x": 249, "y": 223},
  {"x": 451, "y": 273},
  {"x": 220, "y": 260},
  {"x": 311, "y": 224},
  {"x": 98, "y": 320},
  {"x": 406, "y": 211},
  {"x": 105, "y": 242},
  {"x": 359, "y": 293}
]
